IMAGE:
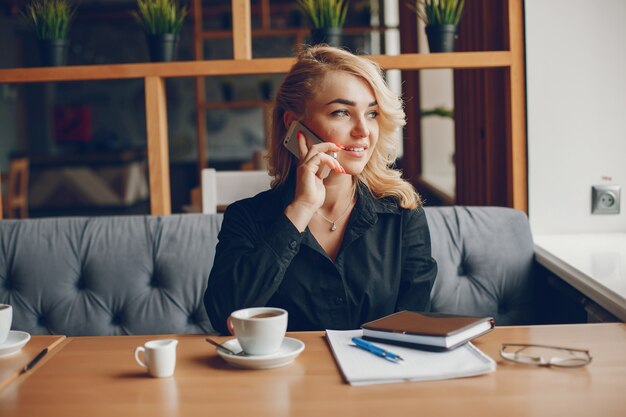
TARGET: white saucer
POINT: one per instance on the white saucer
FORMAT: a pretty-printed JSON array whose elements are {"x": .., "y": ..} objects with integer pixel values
[
  {"x": 15, "y": 341},
  {"x": 288, "y": 351}
]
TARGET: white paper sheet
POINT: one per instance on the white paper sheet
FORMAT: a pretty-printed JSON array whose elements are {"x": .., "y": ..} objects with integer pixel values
[{"x": 360, "y": 367}]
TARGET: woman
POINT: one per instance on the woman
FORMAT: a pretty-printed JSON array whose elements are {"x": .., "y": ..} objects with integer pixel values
[{"x": 334, "y": 252}]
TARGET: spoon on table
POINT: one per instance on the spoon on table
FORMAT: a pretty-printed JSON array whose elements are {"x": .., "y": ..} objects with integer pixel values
[{"x": 221, "y": 346}]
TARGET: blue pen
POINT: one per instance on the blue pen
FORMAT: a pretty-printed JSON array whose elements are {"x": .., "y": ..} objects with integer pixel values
[{"x": 378, "y": 351}]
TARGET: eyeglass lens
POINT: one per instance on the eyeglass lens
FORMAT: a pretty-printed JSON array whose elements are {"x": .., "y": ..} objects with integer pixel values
[{"x": 545, "y": 356}]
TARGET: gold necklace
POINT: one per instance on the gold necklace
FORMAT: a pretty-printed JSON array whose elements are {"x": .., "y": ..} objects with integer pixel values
[{"x": 333, "y": 226}]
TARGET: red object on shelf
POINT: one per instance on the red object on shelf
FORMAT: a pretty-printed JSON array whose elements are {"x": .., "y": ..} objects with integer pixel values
[{"x": 72, "y": 124}]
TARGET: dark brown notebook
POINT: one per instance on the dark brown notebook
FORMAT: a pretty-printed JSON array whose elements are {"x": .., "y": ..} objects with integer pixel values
[{"x": 432, "y": 331}]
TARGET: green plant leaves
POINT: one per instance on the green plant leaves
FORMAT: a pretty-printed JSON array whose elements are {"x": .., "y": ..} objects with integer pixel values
[
  {"x": 438, "y": 12},
  {"x": 325, "y": 13},
  {"x": 50, "y": 19},
  {"x": 160, "y": 16}
]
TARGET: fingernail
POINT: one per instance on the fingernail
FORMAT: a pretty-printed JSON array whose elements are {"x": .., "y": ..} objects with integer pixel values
[
  {"x": 300, "y": 135},
  {"x": 340, "y": 146}
]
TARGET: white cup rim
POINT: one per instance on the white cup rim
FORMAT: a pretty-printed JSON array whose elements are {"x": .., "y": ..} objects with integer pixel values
[
  {"x": 238, "y": 313},
  {"x": 159, "y": 343}
]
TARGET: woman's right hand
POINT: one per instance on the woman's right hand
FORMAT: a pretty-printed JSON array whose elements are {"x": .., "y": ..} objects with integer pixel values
[{"x": 310, "y": 191}]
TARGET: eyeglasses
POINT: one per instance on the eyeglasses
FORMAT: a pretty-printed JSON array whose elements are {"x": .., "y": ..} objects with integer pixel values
[{"x": 541, "y": 355}]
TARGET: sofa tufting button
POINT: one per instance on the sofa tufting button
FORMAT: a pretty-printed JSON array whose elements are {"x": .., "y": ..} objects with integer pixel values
[
  {"x": 8, "y": 284},
  {"x": 116, "y": 320},
  {"x": 154, "y": 283},
  {"x": 41, "y": 321},
  {"x": 80, "y": 284},
  {"x": 339, "y": 300}
]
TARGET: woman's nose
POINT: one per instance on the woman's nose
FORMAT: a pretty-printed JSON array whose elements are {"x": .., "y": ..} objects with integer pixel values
[{"x": 360, "y": 129}]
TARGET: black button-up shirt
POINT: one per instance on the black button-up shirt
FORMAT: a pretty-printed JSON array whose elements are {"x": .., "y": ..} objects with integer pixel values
[{"x": 384, "y": 264}]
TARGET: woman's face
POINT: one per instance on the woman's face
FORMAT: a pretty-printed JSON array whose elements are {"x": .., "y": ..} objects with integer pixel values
[{"x": 344, "y": 111}]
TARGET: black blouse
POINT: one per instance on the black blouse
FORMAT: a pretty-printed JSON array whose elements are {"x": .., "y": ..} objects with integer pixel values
[{"x": 384, "y": 264}]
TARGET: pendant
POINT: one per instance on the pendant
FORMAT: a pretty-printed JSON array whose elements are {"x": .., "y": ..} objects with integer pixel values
[{"x": 333, "y": 227}]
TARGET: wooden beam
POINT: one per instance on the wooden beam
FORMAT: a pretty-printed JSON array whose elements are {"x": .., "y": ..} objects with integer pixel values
[
  {"x": 242, "y": 30},
  {"x": 242, "y": 67},
  {"x": 265, "y": 14},
  {"x": 517, "y": 86},
  {"x": 158, "y": 153}
]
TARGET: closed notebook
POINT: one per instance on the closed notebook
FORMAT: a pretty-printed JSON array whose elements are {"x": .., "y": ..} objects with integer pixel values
[{"x": 430, "y": 331}]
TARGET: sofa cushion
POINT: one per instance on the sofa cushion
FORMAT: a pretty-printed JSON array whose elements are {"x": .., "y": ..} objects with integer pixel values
[
  {"x": 485, "y": 257},
  {"x": 108, "y": 276}
]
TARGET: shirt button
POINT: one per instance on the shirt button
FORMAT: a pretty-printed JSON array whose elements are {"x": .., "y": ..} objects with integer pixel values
[
  {"x": 339, "y": 300},
  {"x": 293, "y": 244}
]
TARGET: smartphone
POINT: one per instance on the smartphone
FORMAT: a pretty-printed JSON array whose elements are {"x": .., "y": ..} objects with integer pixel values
[{"x": 291, "y": 143}]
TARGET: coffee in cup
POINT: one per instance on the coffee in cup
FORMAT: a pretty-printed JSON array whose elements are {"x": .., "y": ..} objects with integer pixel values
[
  {"x": 159, "y": 357},
  {"x": 6, "y": 319},
  {"x": 259, "y": 330}
]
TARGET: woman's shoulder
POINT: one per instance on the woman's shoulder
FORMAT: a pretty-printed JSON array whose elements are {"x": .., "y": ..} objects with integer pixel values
[{"x": 261, "y": 206}]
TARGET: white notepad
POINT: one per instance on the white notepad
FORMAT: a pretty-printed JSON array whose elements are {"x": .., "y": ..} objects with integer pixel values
[{"x": 360, "y": 367}]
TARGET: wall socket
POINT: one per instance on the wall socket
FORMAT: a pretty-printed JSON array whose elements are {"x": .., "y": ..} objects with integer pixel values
[{"x": 605, "y": 199}]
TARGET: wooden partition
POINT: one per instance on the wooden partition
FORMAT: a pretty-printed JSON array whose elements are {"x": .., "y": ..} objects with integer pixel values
[{"x": 243, "y": 63}]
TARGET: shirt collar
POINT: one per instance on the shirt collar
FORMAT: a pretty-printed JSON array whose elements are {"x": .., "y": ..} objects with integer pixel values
[{"x": 367, "y": 206}]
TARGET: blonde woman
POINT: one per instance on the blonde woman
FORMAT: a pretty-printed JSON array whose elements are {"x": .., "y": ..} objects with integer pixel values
[{"x": 334, "y": 252}]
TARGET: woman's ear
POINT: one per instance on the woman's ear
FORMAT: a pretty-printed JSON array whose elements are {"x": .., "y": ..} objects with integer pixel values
[{"x": 288, "y": 118}]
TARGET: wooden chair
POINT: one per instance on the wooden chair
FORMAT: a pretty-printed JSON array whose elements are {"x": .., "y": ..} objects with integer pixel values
[
  {"x": 220, "y": 188},
  {"x": 16, "y": 199}
]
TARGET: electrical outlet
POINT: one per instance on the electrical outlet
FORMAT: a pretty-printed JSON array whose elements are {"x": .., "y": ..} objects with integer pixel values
[{"x": 605, "y": 199}]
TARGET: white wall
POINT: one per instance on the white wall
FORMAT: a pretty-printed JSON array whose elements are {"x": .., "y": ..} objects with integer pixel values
[{"x": 576, "y": 92}]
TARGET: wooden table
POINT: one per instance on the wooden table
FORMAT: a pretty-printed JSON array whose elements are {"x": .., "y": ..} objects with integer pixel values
[
  {"x": 11, "y": 365},
  {"x": 97, "y": 376}
]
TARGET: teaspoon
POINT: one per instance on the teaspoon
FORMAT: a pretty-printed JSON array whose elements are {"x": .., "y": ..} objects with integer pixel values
[{"x": 221, "y": 346}]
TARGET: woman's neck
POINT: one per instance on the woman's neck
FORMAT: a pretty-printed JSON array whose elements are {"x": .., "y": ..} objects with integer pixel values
[{"x": 339, "y": 188}]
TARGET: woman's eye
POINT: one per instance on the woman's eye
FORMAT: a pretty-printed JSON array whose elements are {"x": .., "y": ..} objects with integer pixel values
[
  {"x": 340, "y": 113},
  {"x": 373, "y": 114}
]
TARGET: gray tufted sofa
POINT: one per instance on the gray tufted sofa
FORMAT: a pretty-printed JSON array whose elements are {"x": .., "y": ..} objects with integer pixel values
[{"x": 147, "y": 275}]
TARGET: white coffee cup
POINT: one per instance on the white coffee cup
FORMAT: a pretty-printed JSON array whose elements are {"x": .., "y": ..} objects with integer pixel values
[
  {"x": 6, "y": 318},
  {"x": 259, "y": 330},
  {"x": 159, "y": 357}
]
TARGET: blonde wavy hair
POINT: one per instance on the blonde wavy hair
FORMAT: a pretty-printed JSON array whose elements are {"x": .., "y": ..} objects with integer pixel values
[{"x": 299, "y": 86}]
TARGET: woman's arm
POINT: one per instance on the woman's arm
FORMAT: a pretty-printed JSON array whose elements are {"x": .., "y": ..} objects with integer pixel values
[
  {"x": 250, "y": 262},
  {"x": 419, "y": 269}
]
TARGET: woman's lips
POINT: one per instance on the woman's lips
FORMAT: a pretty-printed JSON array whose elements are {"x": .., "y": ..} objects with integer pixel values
[{"x": 354, "y": 151}]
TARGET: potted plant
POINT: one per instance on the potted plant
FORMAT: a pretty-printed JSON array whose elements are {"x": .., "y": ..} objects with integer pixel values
[
  {"x": 51, "y": 19},
  {"x": 442, "y": 21},
  {"x": 162, "y": 21},
  {"x": 327, "y": 18}
]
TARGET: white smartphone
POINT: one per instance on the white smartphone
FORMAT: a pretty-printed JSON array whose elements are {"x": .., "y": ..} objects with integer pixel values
[{"x": 291, "y": 143}]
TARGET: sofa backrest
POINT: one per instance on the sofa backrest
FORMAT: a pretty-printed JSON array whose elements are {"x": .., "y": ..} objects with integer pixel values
[
  {"x": 108, "y": 275},
  {"x": 147, "y": 275},
  {"x": 485, "y": 257}
]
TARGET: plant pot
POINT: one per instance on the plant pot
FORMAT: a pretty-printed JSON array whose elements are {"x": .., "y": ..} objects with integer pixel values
[
  {"x": 266, "y": 89},
  {"x": 53, "y": 52},
  {"x": 330, "y": 36},
  {"x": 441, "y": 38},
  {"x": 163, "y": 47}
]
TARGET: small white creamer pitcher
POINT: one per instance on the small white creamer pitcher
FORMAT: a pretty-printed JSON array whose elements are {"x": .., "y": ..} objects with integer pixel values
[{"x": 159, "y": 357}]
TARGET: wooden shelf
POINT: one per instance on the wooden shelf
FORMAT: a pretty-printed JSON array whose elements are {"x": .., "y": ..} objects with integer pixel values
[{"x": 242, "y": 67}]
